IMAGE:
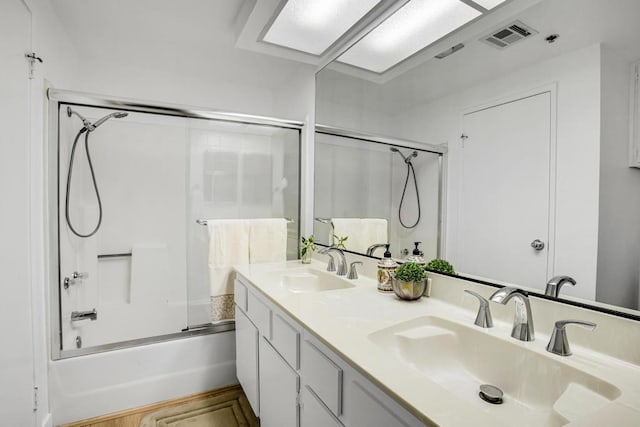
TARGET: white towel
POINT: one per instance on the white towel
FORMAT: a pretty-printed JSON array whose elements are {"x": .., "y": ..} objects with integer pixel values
[
  {"x": 374, "y": 231},
  {"x": 348, "y": 227},
  {"x": 362, "y": 232},
  {"x": 228, "y": 246},
  {"x": 267, "y": 240}
]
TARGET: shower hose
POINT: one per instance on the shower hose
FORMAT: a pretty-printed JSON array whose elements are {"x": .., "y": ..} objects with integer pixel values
[
  {"x": 93, "y": 178},
  {"x": 410, "y": 170}
]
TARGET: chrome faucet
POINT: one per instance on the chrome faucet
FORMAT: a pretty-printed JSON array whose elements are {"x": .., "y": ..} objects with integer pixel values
[
  {"x": 523, "y": 320},
  {"x": 371, "y": 249},
  {"x": 483, "y": 318},
  {"x": 558, "y": 344},
  {"x": 554, "y": 285},
  {"x": 342, "y": 261}
]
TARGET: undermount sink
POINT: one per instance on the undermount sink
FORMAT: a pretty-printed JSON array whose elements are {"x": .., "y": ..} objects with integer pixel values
[
  {"x": 538, "y": 389},
  {"x": 307, "y": 279}
]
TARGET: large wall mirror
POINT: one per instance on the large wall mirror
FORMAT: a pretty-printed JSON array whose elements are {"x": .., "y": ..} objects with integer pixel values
[
  {"x": 532, "y": 105},
  {"x": 370, "y": 191}
]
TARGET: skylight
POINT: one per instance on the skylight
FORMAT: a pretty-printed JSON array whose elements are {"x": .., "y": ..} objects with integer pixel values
[
  {"x": 488, "y": 4},
  {"x": 312, "y": 26},
  {"x": 413, "y": 27}
]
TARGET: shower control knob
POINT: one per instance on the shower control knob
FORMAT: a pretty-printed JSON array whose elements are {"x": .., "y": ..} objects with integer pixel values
[
  {"x": 537, "y": 244},
  {"x": 74, "y": 279}
]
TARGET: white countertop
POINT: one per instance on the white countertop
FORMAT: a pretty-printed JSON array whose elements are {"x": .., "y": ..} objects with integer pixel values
[{"x": 343, "y": 319}]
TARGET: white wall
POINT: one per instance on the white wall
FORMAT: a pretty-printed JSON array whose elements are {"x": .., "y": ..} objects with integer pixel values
[
  {"x": 189, "y": 83},
  {"x": 619, "y": 231},
  {"x": 183, "y": 85},
  {"x": 577, "y": 75}
]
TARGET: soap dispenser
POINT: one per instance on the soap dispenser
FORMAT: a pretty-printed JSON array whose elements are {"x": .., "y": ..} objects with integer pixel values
[
  {"x": 417, "y": 255},
  {"x": 386, "y": 269}
]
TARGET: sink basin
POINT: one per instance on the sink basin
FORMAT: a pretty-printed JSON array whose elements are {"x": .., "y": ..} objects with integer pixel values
[
  {"x": 539, "y": 390},
  {"x": 306, "y": 279}
]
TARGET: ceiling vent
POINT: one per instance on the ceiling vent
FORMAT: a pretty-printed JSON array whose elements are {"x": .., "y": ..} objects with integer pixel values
[{"x": 506, "y": 36}]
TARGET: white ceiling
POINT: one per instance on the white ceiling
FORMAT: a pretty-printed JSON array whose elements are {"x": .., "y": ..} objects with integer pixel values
[
  {"x": 170, "y": 35},
  {"x": 219, "y": 38},
  {"x": 579, "y": 23}
]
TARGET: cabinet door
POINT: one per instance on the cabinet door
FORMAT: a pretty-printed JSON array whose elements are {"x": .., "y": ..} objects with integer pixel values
[
  {"x": 368, "y": 410},
  {"x": 247, "y": 358},
  {"x": 279, "y": 386},
  {"x": 313, "y": 413}
]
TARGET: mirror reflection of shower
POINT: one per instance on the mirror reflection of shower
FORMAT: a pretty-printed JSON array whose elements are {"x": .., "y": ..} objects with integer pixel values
[
  {"x": 410, "y": 171},
  {"x": 87, "y": 128}
]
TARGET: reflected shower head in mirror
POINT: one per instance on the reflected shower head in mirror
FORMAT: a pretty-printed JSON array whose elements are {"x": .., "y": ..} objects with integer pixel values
[
  {"x": 407, "y": 159},
  {"x": 410, "y": 170}
]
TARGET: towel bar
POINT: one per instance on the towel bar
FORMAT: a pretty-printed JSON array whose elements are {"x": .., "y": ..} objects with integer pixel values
[
  {"x": 204, "y": 221},
  {"x": 120, "y": 255}
]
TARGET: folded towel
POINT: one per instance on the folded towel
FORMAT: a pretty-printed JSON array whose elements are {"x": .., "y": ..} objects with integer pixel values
[
  {"x": 362, "y": 232},
  {"x": 267, "y": 240},
  {"x": 348, "y": 227},
  {"x": 374, "y": 231},
  {"x": 228, "y": 245}
]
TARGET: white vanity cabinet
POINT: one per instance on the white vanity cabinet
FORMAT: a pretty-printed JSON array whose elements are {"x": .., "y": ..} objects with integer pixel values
[{"x": 293, "y": 380}]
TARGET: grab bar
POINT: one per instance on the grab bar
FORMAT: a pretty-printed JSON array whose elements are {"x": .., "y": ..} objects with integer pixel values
[{"x": 204, "y": 221}]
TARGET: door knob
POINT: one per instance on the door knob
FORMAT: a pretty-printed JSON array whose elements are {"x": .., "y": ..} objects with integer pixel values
[{"x": 537, "y": 244}]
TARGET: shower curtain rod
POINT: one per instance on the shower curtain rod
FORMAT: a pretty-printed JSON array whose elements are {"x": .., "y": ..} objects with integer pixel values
[{"x": 204, "y": 221}]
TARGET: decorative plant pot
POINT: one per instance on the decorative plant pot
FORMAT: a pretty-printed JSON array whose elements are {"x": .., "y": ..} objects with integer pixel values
[
  {"x": 408, "y": 290},
  {"x": 306, "y": 256}
]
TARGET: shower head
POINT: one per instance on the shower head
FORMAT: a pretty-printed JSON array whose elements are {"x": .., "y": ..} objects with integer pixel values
[
  {"x": 407, "y": 159},
  {"x": 90, "y": 127},
  {"x": 116, "y": 115},
  {"x": 87, "y": 124}
]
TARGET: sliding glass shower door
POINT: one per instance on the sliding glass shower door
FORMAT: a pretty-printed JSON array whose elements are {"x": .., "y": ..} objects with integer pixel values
[{"x": 143, "y": 274}]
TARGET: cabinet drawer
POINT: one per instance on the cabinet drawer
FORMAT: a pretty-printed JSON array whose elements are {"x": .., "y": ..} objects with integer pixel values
[
  {"x": 259, "y": 314},
  {"x": 240, "y": 295},
  {"x": 323, "y": 377},
  {"x": 286, "y": 339}
]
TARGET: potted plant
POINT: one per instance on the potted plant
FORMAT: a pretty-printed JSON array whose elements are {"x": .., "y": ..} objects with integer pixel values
[
  {"x": 338, "y": 241},
  {"x": 307, "y": 249},
  {"x": 409, "y": 281},
  {"x": 440, "y": 266}
]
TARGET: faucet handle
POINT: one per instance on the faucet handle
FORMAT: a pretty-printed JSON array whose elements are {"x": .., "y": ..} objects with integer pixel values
[
  {"x": 559, "y": 344},
  {"x": 331, "y": 266},
  {"x": 483, "y": 319},
  {"x": 353, "y": 273}
]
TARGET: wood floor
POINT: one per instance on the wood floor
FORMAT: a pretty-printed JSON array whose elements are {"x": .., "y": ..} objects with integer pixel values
[{"x": 133, "y": 417}]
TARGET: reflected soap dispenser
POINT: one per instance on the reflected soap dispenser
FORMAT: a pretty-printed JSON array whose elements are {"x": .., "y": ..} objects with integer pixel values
[
  {"x": 416, "y": 256},
  {"x": 386, "y": 270}
]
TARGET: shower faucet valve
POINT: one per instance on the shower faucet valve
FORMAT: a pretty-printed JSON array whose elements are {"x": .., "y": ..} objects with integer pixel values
[{"x": 74, "y": 279}]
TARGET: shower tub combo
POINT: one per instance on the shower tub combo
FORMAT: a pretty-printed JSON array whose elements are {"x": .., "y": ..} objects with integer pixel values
[{"x": 128, "y": 182}]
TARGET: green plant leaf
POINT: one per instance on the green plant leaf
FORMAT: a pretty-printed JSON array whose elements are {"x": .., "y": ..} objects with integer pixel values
[
  {"x": 441, "y": 266},
  {"x": 410, "y": 272}
]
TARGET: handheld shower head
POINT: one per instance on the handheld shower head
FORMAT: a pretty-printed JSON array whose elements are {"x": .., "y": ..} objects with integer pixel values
[
  {"x": 117, "y": 115},
  {"x": 90, "y": 127},
  {"x": 407, "y": 159}
]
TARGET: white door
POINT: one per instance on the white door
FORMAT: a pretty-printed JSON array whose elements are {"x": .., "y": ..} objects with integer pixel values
[
  {"x": 16, "y": 356},
  {"x": 505, "y": 191}
]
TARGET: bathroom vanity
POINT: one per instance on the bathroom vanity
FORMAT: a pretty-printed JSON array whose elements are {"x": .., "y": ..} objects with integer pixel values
[{"x": 315, "y": 349}]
